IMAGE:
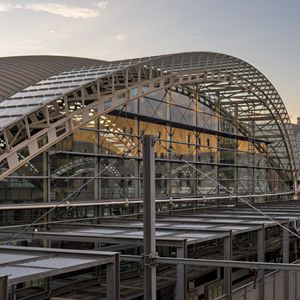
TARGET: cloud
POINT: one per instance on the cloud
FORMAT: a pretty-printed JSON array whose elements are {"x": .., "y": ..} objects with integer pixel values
[
  {"x": 3, "y": 7},
  {"x": 120, "y": 37},
  {"x": 62, "y": 10},
  {"x": 6, "y": 7},
  {"x": 102, "y": 4}
]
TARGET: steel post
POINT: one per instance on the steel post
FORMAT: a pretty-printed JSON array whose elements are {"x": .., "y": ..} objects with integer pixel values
[
  {"x": 261, "y": 258},
  {"x": 295, "y": 244},
  {"x": 149, "y": 218},
  {"x": 3, "y": 288},
  {"x": 228, "y": 270},
  {"x": 181, "y": 279},
  {"x": 286, "y": 259},
  {"x": 113, "y": 279}
]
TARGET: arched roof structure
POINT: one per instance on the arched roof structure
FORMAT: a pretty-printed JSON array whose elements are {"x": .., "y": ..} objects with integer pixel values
[
  {"x": 47, "y": 98},
  {"x": 19, "y": 72}
]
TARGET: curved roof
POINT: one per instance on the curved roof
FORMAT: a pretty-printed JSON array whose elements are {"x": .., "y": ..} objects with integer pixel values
[
  {"x": 57, "y": 104},
  {"x": 19, "y": 72}
]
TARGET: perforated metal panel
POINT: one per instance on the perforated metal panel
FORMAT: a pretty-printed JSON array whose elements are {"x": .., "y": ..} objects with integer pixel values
[
  {"x": 10, "y": 257},
  {"x": 101, "y": 231},
  {"x": 57, "y": 262},
  {"x": 31, "y": 263},
  {"x": 20, "y": 271}
]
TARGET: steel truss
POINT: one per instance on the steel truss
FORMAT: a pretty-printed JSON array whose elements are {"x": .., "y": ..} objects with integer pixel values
[{"x": 237, "y": 88}]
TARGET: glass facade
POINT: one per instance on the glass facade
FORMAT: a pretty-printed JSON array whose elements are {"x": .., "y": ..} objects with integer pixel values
[{"x": 103, "y": 160}]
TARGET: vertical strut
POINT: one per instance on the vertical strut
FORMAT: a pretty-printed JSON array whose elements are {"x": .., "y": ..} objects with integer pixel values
[{"x": 149, "y": 218}]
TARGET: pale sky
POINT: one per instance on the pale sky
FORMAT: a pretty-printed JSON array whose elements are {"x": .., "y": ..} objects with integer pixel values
[{"x": 265, "y": 33}]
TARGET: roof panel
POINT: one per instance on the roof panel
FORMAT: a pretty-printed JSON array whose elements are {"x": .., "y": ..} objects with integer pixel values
[
  {"x": 21, "y": 71},
  {"x": 24, "y": 101},
  {"x": 6, "y": 121},
  {"x": 48, "y": 89},
  {"x": 15, "y": 111}
]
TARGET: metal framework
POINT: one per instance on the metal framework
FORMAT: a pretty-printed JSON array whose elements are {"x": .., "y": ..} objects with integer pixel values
[
  {"x": 185, "y": 231},
  {"x": 24, "y": 264},
  {"x": 44, "y": 113}
]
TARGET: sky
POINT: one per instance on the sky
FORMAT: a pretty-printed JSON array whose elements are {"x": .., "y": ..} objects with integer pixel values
[{"x": 265, "y": 33}]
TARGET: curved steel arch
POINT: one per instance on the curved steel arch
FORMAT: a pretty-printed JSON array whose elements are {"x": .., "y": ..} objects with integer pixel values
[
  {"x": 227, "y": 115},
  {"x": 31, "y": 134}
]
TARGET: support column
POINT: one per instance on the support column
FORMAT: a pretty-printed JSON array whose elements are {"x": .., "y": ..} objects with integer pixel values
[
  {"x": 3, "y": 288},
  {"x": 97, "y": 184},
  {"x": 46, "y": 191},
  {"x": 286, "y": 259},
  {"x": 149, "y": 218},
  {"x": 217, "y": 157},
  {"x": 113, "y": 279},
  {"x": 181, "y": 278},
  {"x": 228, "y": 270},
  {"x": 136, "y": 181},
  {"x": 261, "y": 258},
  {"x": 295, "y": 244}
]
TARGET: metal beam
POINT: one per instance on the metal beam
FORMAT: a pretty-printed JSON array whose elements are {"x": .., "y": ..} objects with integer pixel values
[
  {"x": 123, "y": 202},
  {"x": 219, "y": 263}
]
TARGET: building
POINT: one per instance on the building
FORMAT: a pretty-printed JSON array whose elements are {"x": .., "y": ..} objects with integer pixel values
[{"x": 71, "y": 132}]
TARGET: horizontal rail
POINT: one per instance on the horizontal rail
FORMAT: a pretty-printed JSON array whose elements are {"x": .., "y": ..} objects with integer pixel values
[
  {"x": 217, "y": 263},
  {"x": 128, "y": 202}
]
